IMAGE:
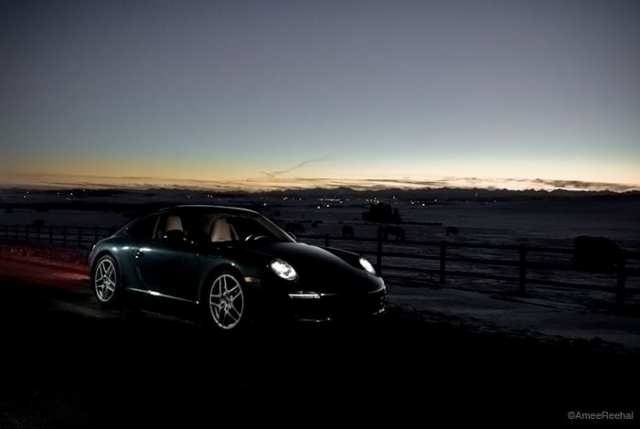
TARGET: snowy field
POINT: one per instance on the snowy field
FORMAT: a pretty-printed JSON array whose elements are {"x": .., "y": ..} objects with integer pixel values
[
  {"x": 550, "y": 222},
  {"x": 484, "y": 303}
]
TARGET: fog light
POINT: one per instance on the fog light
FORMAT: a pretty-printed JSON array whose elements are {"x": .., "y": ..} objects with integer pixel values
[{"x": 304, "y": 295}]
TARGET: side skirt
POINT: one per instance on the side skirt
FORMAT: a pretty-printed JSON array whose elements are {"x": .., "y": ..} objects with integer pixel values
[{"x": 161, "y": 295}]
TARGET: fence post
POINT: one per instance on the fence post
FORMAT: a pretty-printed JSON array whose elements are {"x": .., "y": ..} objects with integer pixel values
[
  {"x": 620, "y": 278},
  {"x": 79, "y": 236},
  {"x": 522, "y": 277},
  {"x": 326, "y": 240},
  {"x": 379, "y": 252},
  {"x": 443, "y": 260}
]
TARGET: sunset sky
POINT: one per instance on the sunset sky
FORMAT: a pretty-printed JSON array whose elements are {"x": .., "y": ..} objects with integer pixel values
[{"x": 272, "y": 94}]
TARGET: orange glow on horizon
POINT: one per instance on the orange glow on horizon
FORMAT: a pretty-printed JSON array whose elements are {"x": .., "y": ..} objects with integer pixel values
[{"x": 267, "y": 183}]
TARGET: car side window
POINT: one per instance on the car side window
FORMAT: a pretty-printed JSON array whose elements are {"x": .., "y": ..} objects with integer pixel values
[
  {"x": 144, "y": 228},
  {"x": 172, "y": 222}
]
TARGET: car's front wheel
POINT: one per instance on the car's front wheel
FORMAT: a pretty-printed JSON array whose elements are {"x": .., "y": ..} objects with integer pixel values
[
  {"x": 226, "y": 301},
  {"x": 106, "y": 281}
]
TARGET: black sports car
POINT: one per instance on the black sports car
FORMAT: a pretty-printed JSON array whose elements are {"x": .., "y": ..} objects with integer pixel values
[{"x": 236, "y": 265}]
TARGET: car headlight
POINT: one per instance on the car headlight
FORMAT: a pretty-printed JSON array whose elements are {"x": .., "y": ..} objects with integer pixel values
[
  {"x": 367, "y": 265},
  {"x": 283, "y": 269}
]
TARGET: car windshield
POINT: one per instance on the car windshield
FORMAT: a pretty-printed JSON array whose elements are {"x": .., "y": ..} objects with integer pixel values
[{"x": 217, "y": 227}]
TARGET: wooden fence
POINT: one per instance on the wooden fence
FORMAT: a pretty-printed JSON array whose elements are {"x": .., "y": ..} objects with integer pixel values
[
  {"x": 76, "y": 236},
  {"x": 518, "y": 264}
]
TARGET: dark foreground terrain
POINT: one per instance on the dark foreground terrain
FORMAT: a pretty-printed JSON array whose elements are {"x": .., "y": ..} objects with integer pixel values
[{"x": 68, "y": 364}]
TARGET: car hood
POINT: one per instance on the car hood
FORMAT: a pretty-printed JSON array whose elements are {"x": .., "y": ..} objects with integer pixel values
[
  {"x": 318, "y": 269},
  {"x": 304, "y": 256}
]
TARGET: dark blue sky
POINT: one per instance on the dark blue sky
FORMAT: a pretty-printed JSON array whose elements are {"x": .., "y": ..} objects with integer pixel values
[{"x": 312, "y": 93}]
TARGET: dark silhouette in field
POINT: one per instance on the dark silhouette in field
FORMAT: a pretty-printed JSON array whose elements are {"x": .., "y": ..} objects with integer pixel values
[
  {"x": 452, "y": 230},
  {"x": 347, "y": 231},
  {"x": 595, "y": 253},
  {"x": 295, "y": 227},
  {"x": 396, "y": 231},
  {"x": 382, "y": 213},
  {"x": 38, "y": 223}
]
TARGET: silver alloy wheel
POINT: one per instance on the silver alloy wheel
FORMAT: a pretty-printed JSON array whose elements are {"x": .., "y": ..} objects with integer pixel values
[
  {"x": 105, "y": 281},
  {"x": 226, "y": 301}
]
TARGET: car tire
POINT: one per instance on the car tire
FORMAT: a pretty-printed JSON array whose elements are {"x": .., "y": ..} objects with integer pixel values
[
  {"x": 225, "y": 302},
  {"x": 106, "y": 283}
]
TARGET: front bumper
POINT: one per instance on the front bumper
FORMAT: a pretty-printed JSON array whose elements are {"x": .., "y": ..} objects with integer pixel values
[{"x": 332, "y": 306}]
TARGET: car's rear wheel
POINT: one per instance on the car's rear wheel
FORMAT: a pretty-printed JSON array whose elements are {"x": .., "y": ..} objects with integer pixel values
[
  {"x": 226, "y": 301},
  {"x": 106, "y": 281}
]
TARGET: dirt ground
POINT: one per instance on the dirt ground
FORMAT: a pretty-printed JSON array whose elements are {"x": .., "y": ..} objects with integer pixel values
[{"x": 69, "y": 364}]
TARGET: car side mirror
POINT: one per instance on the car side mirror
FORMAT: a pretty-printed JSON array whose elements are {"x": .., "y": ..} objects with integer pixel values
[{"x": 174, "y": 236}]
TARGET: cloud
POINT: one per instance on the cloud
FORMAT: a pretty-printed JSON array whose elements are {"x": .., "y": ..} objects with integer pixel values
[
  {"x": 275, "y": 181},
  {"x": 295, "y": 167},
  {"x": 585, "y": 185}
]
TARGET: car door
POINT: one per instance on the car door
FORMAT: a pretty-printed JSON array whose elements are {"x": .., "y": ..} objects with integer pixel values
[{"x": 167, "y": 265}]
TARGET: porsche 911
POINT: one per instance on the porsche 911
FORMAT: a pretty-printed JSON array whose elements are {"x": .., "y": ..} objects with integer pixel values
[{"x": 235, "y": 267}]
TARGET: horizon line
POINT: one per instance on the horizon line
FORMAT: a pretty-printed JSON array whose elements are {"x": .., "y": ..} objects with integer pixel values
[
  {"x": 53, "y": 188},
  {"x": 49, "y": 181}
]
